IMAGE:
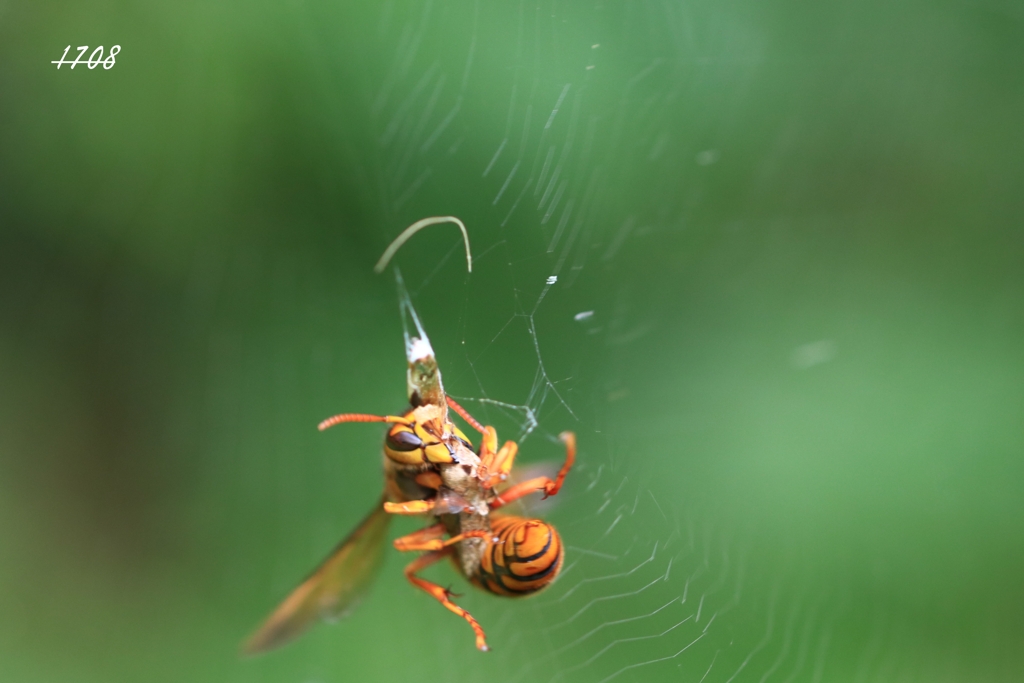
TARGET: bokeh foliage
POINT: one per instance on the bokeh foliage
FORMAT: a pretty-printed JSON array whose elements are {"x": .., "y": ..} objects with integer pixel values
[{"x": 802, "y": 248}]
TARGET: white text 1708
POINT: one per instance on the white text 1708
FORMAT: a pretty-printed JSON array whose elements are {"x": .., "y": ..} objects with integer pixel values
[{"x": 94, "y": 60}]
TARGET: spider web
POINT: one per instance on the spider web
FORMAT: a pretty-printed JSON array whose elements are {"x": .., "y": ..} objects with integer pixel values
[
  {"x": 763, "y": 258},
  {"x": 643, "y": 592},
  {"x": 541, "y": 337}
]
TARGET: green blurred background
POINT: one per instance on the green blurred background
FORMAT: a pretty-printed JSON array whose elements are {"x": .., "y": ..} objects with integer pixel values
[{"x": 798, "y": 395}]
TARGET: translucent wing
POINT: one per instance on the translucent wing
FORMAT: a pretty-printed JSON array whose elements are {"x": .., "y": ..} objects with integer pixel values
[
  {"x": 535, "y": 505},
  {"x": 332, "y": 590}
]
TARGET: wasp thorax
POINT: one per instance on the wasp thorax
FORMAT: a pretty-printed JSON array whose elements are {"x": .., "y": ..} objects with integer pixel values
[{"x": 462, "y": 477}]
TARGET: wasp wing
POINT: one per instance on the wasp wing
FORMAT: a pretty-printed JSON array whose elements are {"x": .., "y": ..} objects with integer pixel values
[
  {"x": 333, "y": 589},
  {"x": 532, "y": 506}
]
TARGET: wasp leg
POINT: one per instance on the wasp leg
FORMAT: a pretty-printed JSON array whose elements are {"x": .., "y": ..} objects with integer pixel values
[
  {"x": 412, "y": 507},
  {"x": 441, "y": 594},
  {"x": 430, "y": 539},
  {"x": 544, "y": 484},
  {"x": 430, "y": 533},
  {"x": 488, "y": 452},
  {"x": 489, "y": 444},
  {"x": 502, "y": 464},
  {"x": 569, "y": 439},
  {"x": 465, "y": 415},
  {"x": 358, "y": 417},
  {"x": 429, "y": 480}
]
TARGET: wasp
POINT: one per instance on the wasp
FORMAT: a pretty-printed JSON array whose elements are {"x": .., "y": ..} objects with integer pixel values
[{"x": 431, "y": 468}]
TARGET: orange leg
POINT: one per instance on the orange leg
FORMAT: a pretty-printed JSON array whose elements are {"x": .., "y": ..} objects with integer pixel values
[
  {"x": 430, "y": 539},
  {"x": 429, "y": 480},
  {"x": 441, "y": 594},
  {"x": 544, "y": 484},
  {"x": 430, "y": 533},
  {"x": 569, "y": 439},
  {"x": 488, "y": 451},
  {"x": 411, "y": 507},
  {"x": 358, "y": 417},
  {"x": 465, "y": 416},
  {"x": 514, "y": 493},
  {"x": 502, "y": 464}
]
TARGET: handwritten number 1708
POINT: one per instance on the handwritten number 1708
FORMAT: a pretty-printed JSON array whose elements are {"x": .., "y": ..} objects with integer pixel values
[{"x": 95, "y": 59}]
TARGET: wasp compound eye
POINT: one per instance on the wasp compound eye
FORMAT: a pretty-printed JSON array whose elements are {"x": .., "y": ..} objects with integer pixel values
[{"x": 403, "y": 441}]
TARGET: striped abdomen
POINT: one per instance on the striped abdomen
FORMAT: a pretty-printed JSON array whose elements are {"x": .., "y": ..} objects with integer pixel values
[{"x": 525, "y": 558}]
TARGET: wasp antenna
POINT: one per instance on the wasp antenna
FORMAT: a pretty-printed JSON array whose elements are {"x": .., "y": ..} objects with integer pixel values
[
  {"x": 359, "y": 417},
  {"x": 465, "y": 415},
  {"x": 416, "y": 227}
]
